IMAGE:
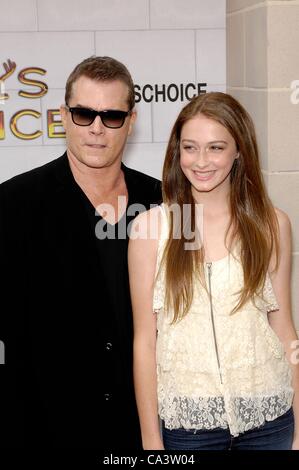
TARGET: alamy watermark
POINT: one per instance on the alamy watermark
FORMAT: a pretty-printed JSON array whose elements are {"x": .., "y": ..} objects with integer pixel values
[
  {"x": 295, "y": 93},
  {"x": 294, "y": 358},
  {"x": 110, "y": 227}
]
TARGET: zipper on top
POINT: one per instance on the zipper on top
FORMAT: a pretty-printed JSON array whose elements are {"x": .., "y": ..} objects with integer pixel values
[{"x": 209, "y": 266}]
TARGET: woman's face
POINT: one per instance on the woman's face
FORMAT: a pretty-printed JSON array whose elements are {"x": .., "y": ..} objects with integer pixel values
[{"x": 208, "y": 152}]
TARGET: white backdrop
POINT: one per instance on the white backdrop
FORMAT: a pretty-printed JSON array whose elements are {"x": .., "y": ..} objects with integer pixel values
[{"x": 166, "y": 44}]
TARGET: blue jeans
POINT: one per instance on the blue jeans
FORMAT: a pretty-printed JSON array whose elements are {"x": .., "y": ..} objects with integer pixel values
[{"x": 273, "y": 435}]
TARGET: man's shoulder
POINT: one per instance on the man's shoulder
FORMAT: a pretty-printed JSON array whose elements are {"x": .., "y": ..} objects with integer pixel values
[
  {"x": 139, "y": 175},
  {"x": 143, "y": 189},
  {"x": 141, "y": 179}
]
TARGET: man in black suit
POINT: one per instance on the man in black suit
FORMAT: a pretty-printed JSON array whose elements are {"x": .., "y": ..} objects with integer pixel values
[{"x": 66, "y": 313}]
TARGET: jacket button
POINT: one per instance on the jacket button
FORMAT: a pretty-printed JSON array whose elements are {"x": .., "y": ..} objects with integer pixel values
[
  {"x": 108, "y": 346},
  {"x": 107, "y": 396}
]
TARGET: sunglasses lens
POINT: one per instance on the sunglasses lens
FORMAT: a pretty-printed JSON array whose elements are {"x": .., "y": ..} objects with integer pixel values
[
  {"x": 110, "y": 118},
  {"x": 113, "y": 119},
  {"x": 82, "y": 116}
]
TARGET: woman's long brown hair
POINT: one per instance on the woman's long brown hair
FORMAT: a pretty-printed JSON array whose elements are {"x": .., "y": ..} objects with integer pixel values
[{"x": 253, "y": 221}]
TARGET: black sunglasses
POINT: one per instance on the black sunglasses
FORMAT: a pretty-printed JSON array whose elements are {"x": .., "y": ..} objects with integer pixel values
[{"x": 112, "y": 118}]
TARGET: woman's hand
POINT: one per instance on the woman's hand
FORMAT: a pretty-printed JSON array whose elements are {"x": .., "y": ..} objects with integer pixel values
[{"x": 295, "y": 445}]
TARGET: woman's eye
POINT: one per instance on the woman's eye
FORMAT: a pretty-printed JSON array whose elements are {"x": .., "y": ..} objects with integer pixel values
[
  {"x": 216, "y": 148},
  {"x": 189, "y": 148}
]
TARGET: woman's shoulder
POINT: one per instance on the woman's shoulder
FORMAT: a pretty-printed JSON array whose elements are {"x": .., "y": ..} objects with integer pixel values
[
  {"x": 282, "y": 217},
  {"x": 283, "y": 222}
]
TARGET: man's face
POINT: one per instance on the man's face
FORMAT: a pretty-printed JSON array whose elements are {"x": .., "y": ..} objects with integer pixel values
[{"x": 97, "y": 146}]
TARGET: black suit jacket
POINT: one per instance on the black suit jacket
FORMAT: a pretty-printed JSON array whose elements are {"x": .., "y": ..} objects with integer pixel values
[{"x": 67, "y": 376}]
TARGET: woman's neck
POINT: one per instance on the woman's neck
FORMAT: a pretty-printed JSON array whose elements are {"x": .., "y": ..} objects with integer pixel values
[{"x": 214, "y": 202}]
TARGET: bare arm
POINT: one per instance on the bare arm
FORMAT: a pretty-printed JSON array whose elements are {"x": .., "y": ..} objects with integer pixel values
[
  {"x": 142, "y": 258},
  {"x": 281, "y": 321}
]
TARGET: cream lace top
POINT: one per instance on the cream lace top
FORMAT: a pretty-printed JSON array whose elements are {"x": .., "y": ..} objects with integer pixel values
[{"x": 215, "y": 369}]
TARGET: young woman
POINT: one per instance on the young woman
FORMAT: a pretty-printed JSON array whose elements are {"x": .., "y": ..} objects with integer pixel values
[{"x": 214, "y": 339}]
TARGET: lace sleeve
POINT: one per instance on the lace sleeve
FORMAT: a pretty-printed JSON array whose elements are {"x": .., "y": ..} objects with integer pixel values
[{"x": 269, "y": 296}]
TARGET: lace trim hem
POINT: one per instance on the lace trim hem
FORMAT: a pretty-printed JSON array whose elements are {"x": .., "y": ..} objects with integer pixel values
[{"x": 239, "y": 414}]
